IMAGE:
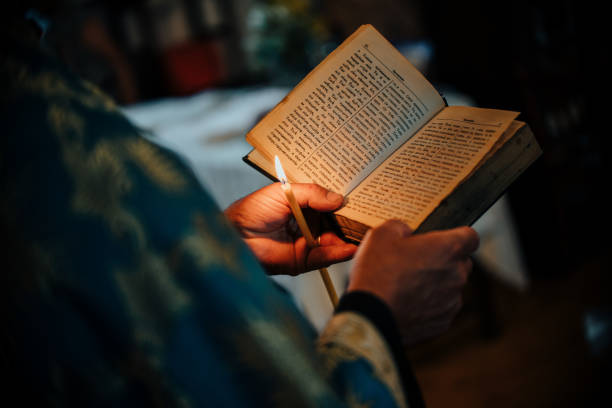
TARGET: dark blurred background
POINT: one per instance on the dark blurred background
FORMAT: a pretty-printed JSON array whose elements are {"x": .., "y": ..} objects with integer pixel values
[{"x": 547, "y": 346}]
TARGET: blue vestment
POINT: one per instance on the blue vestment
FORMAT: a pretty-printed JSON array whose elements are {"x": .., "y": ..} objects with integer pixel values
[{"x": 124, "y": 285}]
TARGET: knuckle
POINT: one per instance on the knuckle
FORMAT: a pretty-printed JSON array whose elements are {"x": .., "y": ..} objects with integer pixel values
[
  {"x": 472, "y": 239},
  {"x": 390, "y": 224},
  {"x": 464, "y": 241},
  {"x": 396, "y": 227}
]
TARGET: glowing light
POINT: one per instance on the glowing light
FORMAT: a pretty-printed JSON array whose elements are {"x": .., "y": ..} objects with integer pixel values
[{"x": 280, "y": 173}]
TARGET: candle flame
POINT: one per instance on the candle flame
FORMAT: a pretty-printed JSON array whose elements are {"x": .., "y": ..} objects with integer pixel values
[{"x": 280, "y": 173}]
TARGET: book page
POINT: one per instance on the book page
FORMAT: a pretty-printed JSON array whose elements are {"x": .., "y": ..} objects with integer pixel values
[
  {"x": 350, "y": 113},
  {"x": 419, "y": 175}
]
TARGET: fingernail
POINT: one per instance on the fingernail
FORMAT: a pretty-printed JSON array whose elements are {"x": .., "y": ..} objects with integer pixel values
[{"x": 334, "y": 197}]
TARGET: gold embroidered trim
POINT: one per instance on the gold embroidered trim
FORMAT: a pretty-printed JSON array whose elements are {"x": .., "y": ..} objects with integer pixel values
[{"x": 349, "y": 336}]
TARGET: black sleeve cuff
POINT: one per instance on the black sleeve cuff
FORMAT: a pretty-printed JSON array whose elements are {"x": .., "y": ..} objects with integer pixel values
[{"x": 378, "y": 313}]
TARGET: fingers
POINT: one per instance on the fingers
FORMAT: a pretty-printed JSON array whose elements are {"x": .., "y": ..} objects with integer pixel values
[
  {"x": 390, "y": 230},
  {"x": 331, "y": 251},
  {"x": 316, "y": 197},
  {"x": 397, "y": 228},
  {"x": 457, "y": 242},
  {"x": 329, "y": 238},
  {"x": 467, "y": 239},
  {"x": 324, "y": 256},
  {"x": 455, "y": 247},
  {"x": 466, "y": 243}
]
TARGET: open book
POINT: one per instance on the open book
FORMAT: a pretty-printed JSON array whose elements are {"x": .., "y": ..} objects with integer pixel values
[{"x": 365, "y": 123}]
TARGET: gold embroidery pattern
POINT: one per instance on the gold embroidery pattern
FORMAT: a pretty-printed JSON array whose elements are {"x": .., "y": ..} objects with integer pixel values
[
  {"x": 153, "y": 298},
  {"x": 349, "y": 336},
  {"x": 100, "y": 178},
  {"x": 52, "y": 85},
  {"x": 206, "y": 240},
  {"x": 155, "y": 165},
  {"x": 265, "y": 347}
]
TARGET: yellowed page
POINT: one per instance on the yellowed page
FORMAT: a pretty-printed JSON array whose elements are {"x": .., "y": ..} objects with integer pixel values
[
  {"x": 419, "y": 175},
  {"x": 350, "y": 113}
]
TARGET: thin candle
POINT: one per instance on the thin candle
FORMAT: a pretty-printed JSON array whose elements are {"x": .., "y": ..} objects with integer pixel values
[{"x": 301, "y": 221}]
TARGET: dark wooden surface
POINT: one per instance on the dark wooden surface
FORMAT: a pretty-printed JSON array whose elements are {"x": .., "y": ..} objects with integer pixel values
[{"x": 511, "y": 349}]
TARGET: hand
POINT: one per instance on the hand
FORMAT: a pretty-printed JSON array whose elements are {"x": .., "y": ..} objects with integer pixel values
[
  {"x": 420, "y": 276},
  {"x": 265, "y": 221}
]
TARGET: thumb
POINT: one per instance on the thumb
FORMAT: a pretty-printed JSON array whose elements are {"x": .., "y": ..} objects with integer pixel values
[{"x": 316, "y": 197}]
